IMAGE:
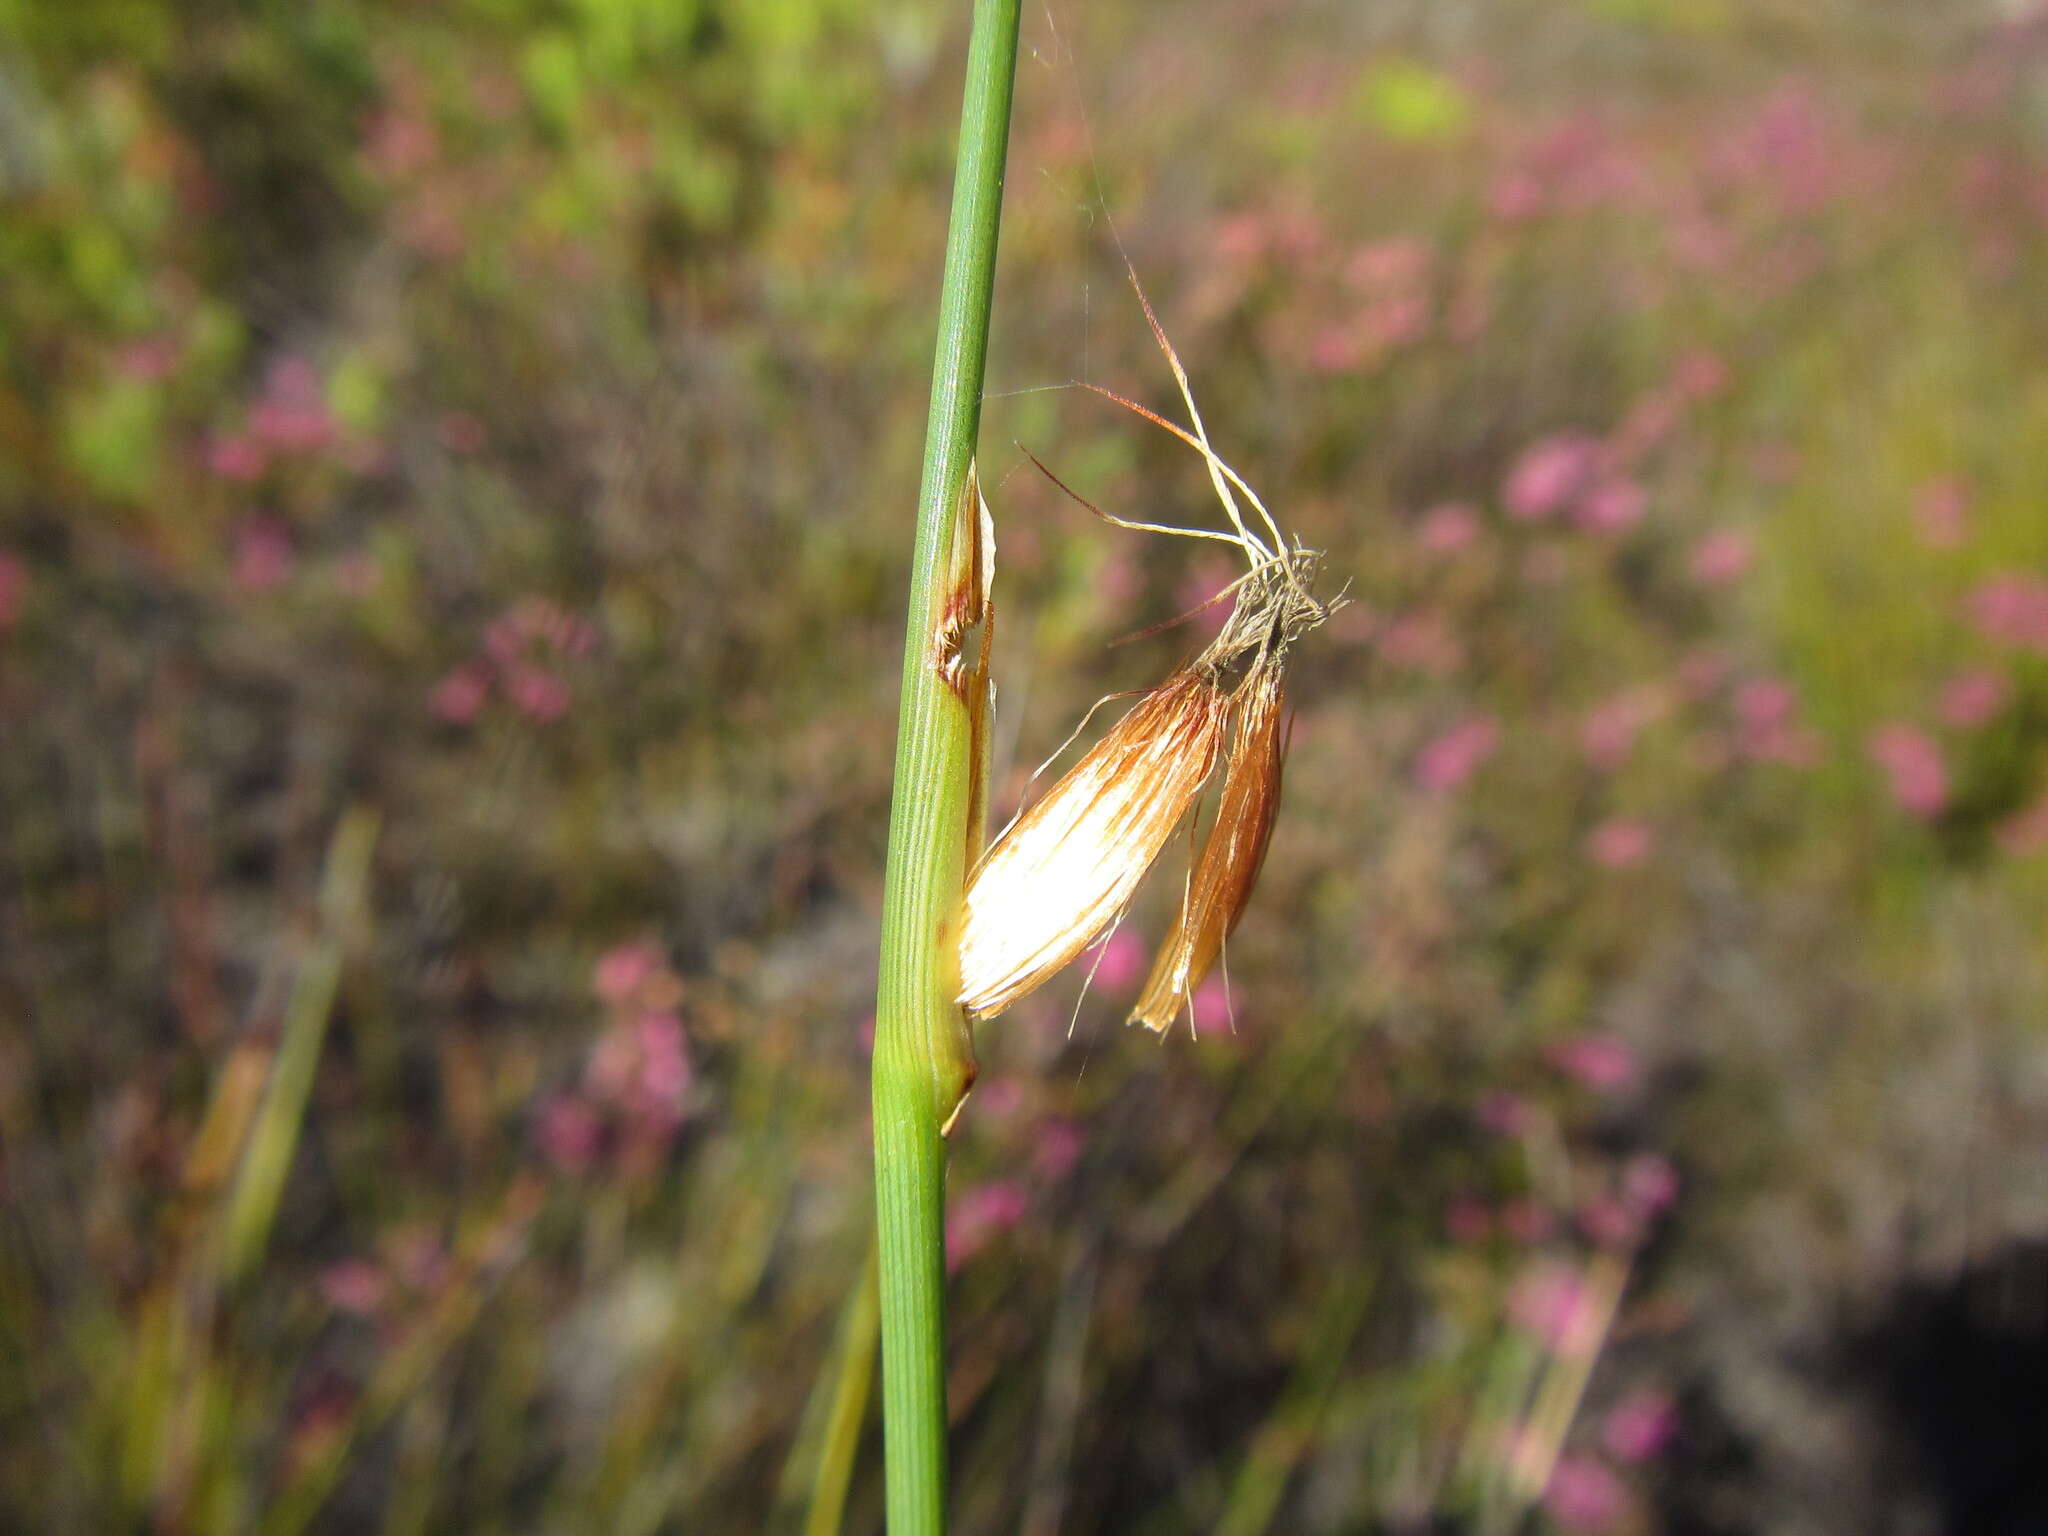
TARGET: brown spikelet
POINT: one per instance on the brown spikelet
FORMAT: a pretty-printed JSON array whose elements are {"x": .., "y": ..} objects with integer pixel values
[
  {"x": 1065, "y": 869},
  {"x": 1227, "y": 867}
]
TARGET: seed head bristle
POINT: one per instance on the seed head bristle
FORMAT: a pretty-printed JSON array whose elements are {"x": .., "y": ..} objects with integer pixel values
[{"x": 1228, "y": 865}]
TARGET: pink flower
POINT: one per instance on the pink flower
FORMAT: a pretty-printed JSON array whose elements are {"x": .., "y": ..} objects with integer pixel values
[
  {"x": 664, "y": 1077},
  {"x": 292, "y": 415},
  {"x": 1619, "y": 843},
  {"x": 1207, "y": 576},
  {"x": 1119, "y": 581},
  {"x": 2027, "y": 832},
  {"x": 147, "y": 360},
  {"x": 1549, "y": 1303},
  {"x": 459, "y": 696},
  {"x": 1640, "y": 1425},
  {"x": 13, "y": 583},
  {"x": 352, "y": 1285},
  {"x": 263, "y": 555},
  {"x": 1214, "y": 1005},
  {"x": 623, "y": 970},
  {"x": 1701, "y": 672},
  {"x": 1609, "y": 1222},
  {"x": 1611, "y": 506},
  {"x": 1336, "y": 349},
  {"x": 1452, "y": 758},
  {"x": 1121, "y": 961},
  {"x": 236, "y": 458},
  {"x": 1765, "y": 703},
  {"x": 1448, "y": 528},
  {"x": 1919, "y": 780},
  {"x": 569, "y": 1133},
  {"x": 1940, "y": 511},
  {"x": 1514, "y": 196},
  {"x": 1056, "y": 1146},
  {"x": 1970, "y": 699},
  {"x": 1549, "y": 474},
  {"x": 1601, "y": 1062},
  {"x": 1584, "y": 1496},
  {"x": 979, "y": 1214},
  {"x": 1649, "y": 1184},
  {"x": 536, "y": 693},
  {"x": 1700, "y": 375},
  {"x": 1399, "y": 262},
  {"x": 400, "y": 142},
  {"x": 1721, "y": 558},
  {"x": 1241, "y": 238},
  {"x": 1607, "y": 734},
  {"x": 1423, "y": 641},
  {"x": 1504, "y": 1114},
  {"x": 1648, "y": 422},
  {"x": 2013, "y": 609}
]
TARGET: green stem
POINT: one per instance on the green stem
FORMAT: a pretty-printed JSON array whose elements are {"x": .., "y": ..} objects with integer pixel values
[
  {"x": 259, "y": 1183},
  {"x": 923, "y": 1063}
]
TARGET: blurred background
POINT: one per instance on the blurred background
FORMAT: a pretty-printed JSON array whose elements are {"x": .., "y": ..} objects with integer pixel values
[{"x": 457, "y": 466}]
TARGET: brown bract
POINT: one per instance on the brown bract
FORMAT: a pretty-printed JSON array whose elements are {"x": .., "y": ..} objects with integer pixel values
[
  {"x": 1227, "y": 867},
  {"x": 1066, "y": 868}
]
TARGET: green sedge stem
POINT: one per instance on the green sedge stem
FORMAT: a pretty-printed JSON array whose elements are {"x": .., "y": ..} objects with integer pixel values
[{"x": 922, "y": 1064}]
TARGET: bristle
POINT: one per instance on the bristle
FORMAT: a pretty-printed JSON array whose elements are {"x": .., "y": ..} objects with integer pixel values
[
  {"x": 1063, "y": 871},
  {"x": 1228, "y": 865}
]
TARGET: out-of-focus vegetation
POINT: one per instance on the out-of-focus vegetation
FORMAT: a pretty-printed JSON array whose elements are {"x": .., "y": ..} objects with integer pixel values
[{"x": 455, "y": 472}]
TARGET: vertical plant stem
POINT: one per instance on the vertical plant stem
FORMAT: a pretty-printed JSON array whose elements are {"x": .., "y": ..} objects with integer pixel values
[{"x": 923, "y": 1064}]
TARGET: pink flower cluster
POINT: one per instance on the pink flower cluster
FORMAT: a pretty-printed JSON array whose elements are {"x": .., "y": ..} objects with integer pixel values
[
  {"x": 1388, "y": 284},
  {"x": 290, "y": 418},
  {"x": 263, "y": 554},
  {"x": 1577, "y": 474},
  {"x": 634, "y": 1091},
  {"x": 1608, "y": 731},
  {"x": 979, "y": 1214},
  {"x": 1619, "y": 843},
  {"x": 1913, "y": 763},
  {"x": 1452, "y": 758},
  {"x": 410, "y": 1259},
  {"x": 1549, "y": 1302},
  {"x": 1767, "y": 728},
  {"x": 1644, "y": 1189},
  {"x": 1975, "y": 697},
  {"x": 1940, "y": 511},
  {"x": 1600, "y": 1062},
  {"x": 2013, "y": 609},
  {"x": 523, "y": 650}
]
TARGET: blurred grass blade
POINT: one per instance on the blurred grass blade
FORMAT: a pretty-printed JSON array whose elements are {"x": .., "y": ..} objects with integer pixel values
[
  {"x": 829, "y": 1437},
  {"x": 252, "y": 1204},
  {"x": 1286, "y": 1437}
]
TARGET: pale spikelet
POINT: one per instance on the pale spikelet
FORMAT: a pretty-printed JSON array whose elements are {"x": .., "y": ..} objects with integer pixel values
[
  {"x": 1064, "y": 870},
  {"x": 1228, "y": 866}
]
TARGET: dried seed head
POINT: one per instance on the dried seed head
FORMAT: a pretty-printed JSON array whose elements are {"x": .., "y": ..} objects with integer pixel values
[
  {"x": 1228, "y": 866},
  {"x": 1064, "y": 870}
]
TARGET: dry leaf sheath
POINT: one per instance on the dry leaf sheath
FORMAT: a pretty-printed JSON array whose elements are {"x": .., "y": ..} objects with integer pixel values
[
  {"x": 1064, "y": 870},
  {"x": 1227, "y": 867}
]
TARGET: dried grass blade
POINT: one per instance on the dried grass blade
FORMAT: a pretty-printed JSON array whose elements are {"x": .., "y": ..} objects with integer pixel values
[{"x": 1228, "y": 866}]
